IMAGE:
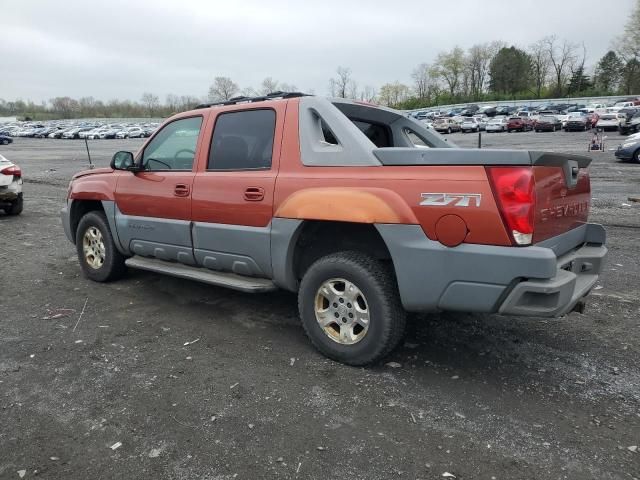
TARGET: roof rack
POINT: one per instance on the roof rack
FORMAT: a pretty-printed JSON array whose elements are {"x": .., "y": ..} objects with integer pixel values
[{"x": 262, "y": 98}]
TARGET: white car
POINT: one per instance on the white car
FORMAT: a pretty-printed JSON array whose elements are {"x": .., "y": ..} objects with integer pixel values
[
  {"x": 610, "y": 121},
  {"x": 132, "y": 132},
  {"x": 470, "y": 124},
  {"x": 482, "y": 121},
  {"x": 497, "y": 124},
  {"x": 10, "y": 187},
  {"x": 563, "y": 119}
]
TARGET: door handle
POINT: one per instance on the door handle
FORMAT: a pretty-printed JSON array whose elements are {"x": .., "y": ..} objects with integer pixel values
[
  {"x": 254, "y": 194},
  {"x": 181, "y": 190}
]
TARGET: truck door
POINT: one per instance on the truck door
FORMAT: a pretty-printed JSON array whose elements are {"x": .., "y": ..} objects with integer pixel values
[
  {"x": 153, "y": 212},
  {"x": 233, "y": 191}
]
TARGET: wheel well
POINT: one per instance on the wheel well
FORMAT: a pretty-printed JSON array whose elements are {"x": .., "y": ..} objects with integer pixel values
[
  {"x": 81, "y": 207},
  {"x": 320, "y": 238}
]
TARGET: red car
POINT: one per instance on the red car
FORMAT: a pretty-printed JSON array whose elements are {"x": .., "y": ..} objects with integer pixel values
[
  {"x": 519, "y": 124},
  {"x": 365, "y": 213}
]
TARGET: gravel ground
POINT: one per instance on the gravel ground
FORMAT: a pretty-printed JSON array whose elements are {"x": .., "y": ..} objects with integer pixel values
[{"x": 155, "y": 377}]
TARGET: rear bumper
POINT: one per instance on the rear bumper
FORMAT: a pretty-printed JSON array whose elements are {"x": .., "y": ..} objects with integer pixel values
[
  {"x": 547, "y": 279},
  {"x": 577, "y": 273},
  {"x": 9, "y": 193}
]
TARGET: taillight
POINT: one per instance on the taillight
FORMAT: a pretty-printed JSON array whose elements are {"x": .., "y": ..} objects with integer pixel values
[
  {"x": 515, "y": 193},
  {"x": 12, "y": 170}
]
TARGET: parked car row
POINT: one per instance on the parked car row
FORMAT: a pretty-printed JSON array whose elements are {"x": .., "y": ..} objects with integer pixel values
[
  {"x": 625, "y": 121},
  {"x": 542, "y": 109},
  {"x": 73, "y": 130}
]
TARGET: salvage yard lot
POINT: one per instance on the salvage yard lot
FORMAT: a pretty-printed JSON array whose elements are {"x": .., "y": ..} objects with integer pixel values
[{"x": 200, "y": 382}]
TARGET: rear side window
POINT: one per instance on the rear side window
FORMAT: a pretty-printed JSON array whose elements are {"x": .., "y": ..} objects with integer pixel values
[
  {"x": 415, "y": 139},
  {"x": 243, "y": 140},
  {"x": 378, "y": 134}
]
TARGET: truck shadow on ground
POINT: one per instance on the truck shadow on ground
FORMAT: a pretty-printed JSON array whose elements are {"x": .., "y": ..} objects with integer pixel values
[{"x": 469, "y": 344}]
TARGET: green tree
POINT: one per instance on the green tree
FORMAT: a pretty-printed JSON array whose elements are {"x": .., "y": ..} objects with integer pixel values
[
  {"x": 628, "y": 48},
  {"x": 451, "y": 67},
  {"x": 562, "y": 56},
  {"x": 510, "y": 71},
  {"x": 608, "y": 72},
  {"x": 631, "y": 77},
  {"x": 579, "y": 82},
  {"x": 392, "y": 94},
  {"x": 540, "y": 64}
]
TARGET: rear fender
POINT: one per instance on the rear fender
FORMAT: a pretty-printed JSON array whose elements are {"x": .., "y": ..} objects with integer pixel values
[{"x": 357, "y": 205}]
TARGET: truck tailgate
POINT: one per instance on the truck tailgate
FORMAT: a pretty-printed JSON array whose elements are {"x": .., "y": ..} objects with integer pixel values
[{"x": 561, "y": 186}]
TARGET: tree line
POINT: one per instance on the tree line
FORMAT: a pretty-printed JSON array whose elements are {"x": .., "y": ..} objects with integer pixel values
[{"x": 549, "y": 68}]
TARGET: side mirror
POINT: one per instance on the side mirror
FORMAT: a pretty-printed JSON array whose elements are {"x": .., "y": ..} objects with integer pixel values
[{"x": 122, "y": 161}]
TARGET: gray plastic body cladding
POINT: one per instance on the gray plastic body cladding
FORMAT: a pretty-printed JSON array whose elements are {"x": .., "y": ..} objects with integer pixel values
[
  {"x": 462, "y": 156},
  {"x": 65, "y": 216},
  {"x": 587, "y": 233},
  {"x": 355, "y": 149},
  {"x": 284, "y": 235},
  {"x": 577, "y": 274},
  {"x": 235, "y": 248},
  {"x": 425, "y": 269},
  {"x": 394, "y": 119},
  {"x": 450, "y": 156},
  {"x": 166, "y": 239},
  {"x": 110, "y": 209},
  {"x": 478, "y": 278}
]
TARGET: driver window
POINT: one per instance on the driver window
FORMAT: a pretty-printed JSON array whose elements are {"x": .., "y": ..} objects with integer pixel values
[{"x": 174, "y": 147}]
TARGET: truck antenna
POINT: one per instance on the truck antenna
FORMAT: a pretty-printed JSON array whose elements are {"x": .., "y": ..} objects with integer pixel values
[{"x": 86, "y": 144}]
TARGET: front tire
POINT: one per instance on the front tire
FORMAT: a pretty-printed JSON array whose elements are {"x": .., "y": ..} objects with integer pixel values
[
  {"x": 350, "y": 308},
  {"x": 99, "y": 258}
]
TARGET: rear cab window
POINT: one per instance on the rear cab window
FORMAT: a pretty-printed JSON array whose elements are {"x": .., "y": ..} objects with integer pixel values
[{"x": 243, "y": 140}]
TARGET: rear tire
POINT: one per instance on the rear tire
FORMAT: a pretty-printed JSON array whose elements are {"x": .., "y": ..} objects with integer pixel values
[
  {"x": 325, "y": 293},
  {"x": 99, "y": 258},
  {"x": 636, "y": 156},
  {"x": 449, "y": 130},
  {"x": 16, "y": 206}
]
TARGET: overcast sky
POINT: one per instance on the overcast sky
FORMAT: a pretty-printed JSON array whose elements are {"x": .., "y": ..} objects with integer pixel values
[{"x": 120, "y": 49}]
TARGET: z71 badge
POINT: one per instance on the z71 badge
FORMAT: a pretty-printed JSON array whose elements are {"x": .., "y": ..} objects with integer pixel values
[{"x": 453, "y": 199}]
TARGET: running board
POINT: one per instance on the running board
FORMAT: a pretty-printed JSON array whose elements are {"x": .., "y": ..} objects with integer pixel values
[{"x": 219, "y": 279}]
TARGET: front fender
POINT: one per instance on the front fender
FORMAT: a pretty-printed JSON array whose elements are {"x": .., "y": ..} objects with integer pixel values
[{"x": 93, "y": 187}]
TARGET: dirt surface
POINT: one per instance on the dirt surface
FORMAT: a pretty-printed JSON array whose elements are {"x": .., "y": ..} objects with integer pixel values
[{"x": 155, "y": 377}]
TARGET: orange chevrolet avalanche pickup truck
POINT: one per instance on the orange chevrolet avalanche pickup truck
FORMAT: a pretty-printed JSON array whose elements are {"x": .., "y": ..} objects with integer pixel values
[{"x": 362, "y": 211}]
